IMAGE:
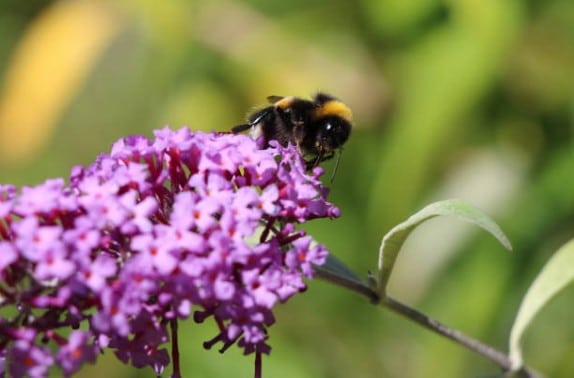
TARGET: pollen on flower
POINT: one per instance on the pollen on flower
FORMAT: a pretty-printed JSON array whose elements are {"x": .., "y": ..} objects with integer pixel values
[{"x": 187, "y": 223}]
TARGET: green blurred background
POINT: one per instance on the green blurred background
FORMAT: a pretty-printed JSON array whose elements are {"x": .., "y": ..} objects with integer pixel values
[{"x": 471, "y": 99}]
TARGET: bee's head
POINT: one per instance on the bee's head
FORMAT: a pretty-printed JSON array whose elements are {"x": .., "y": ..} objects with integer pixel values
[{"x": 332, "y": 133}]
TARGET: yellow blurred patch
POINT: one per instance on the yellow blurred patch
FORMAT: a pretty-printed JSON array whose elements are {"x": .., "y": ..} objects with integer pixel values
[{"x": 51, "y": 62}]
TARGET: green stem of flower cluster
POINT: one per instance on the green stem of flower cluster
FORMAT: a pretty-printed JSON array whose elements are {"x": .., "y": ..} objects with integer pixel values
[{"x": 175, "y": 349}]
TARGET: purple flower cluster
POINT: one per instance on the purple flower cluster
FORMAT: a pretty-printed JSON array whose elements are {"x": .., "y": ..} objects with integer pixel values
[{"x": 158, "y": 230}]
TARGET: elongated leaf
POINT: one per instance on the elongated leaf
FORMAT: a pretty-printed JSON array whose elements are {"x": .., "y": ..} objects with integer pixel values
[
  {"x": 394, "y": 239},
  {"x": 555, "y": 276},
  {"x": 337, "y": 267}
]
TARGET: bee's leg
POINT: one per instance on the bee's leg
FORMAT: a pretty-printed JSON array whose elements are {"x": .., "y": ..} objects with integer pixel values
[
  {"x": 298, "y": 133},
  {"x": 310, "y": 164},
  {"x": 241, "y": 128},
  {"x": 326, "y": 156}
]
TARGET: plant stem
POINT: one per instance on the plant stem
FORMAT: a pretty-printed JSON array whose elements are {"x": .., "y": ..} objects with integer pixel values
[
  {"x": 175, "y": 349},
  {"x": 474, "y": 345},
  {"x": 358, "y": 287},
  {"x": 495, "y": 356},
  {"x": 416, "y": 316}
]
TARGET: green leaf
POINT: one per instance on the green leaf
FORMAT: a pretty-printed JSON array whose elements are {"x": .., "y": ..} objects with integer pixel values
[
  {"x": 555, "y": 276},
  {"x": 394, "y": 239},
  {"x": 337, "y": 267}
]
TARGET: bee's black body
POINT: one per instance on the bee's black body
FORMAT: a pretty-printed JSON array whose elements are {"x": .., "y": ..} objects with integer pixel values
[{"x": 319, "y": 127}]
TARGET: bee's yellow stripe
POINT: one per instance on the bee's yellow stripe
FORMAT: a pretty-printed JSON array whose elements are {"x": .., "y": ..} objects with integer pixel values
[
  {"x": 335, "y": 108},
  {"x": 285, "y": 102}
]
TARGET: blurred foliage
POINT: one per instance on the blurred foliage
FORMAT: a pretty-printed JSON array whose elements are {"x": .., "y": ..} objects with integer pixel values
[{"x": 464, "y": 98}]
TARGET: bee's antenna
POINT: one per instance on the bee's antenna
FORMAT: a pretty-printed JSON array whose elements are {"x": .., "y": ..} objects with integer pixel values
[{"x": 339, "y": 153}]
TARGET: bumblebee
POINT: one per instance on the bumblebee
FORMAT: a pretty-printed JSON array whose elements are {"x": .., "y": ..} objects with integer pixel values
[{"x": 318, "y": 127}]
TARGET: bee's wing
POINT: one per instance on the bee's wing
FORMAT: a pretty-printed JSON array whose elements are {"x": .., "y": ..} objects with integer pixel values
[
  {"x": 274, "y": 99},
  {"x": 258, "y": 116}
]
